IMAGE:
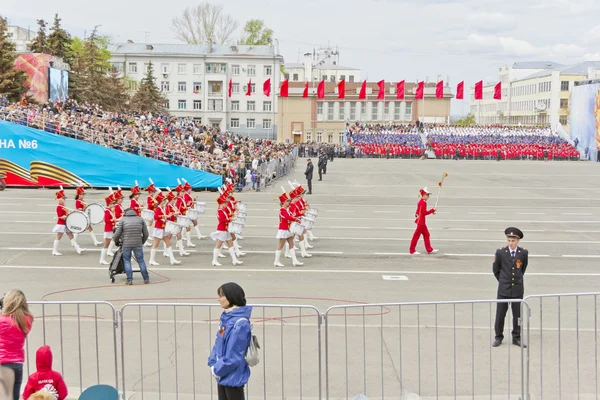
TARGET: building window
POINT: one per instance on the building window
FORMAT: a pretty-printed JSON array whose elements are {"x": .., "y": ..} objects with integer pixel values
[
  {"x": 564, "y": 86},
  {"x": 197, "y": 87},
  {"x": 235, "y": 88},
  {"x": 116, "y": 66},
  {"x": 408, "y": 112},
  {"x": 330, "y": 110},
  {"x": 251, "y": 70},
  {"x": 319, "y": 108},
  {"x": 287, "y": 76},
  {"x": 353, "y": 111},
  {"x": 267, "y": 106},
  {"x": 268, "y": 70},
  {"x": 214, "y": 68},
  {"x": 308, "y": 136},
  {"x": 351, "y": 78},
  {"x": 215, "y": 105},
  {"x": 341, "y": 138},
  {"x": 133, "y": 68},
  {"x": 375, "y": 111},
  {"x": 235, "y": 123},
  {"x": 342, "y": 111},
  {"x": 330, "y": 138},
  {"x": 197, "y": 69},
  {"x": 332, "y": 78},
  {"x": 563, "y": 119},
  {"x": 166, "y": 105},
  {"x": 164, "y": 68},
  {"x": 215, "y": 88},
  {"x": 386, "y": 110},
  {"x": 133, "y": 85},
  {"x": 266, "y": 124},
  {"x": 564, "y": 103},
  {"x": 181, "y": 87},
  {"x": 251, "y": 106},
  {"x": 253, "y": 88},
  {"x": 295, "y": 77},
  {"x": 235, "y": 70},
  {"x": 319, "y": 137},
  {"x": 235, "y": 106},
  {"x": 342, "y": 77},
  {"x": 146, "y": 67},
  {"x": 181, "y": 105},
  {"x": 181, "y": 69},
  {"x": 197, "y": 104},
  {"x": 165, "y": 86},
  {"x": 397, "y": 116},
  {"x": 250, "y": 124},
  {"x": 324, "y": 77}
]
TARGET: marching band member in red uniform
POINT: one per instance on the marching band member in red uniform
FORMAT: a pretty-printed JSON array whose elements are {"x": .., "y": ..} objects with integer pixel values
[
  {"x": 81, "y": 205},
  {"x": 61, "y": 227},
  {"x": 160, "y": 220},
  {"x": 305, "y": 206},
  {"x": 297, "y": 211},
  {"x": 283, "y": 234},
  {"x": 222, "y": 234},
  {"x": 182, "y": 208},
  {"x": 119, "y": 212},
  {"x": 172, "y": 212},
  {"x": 420, "y": 214},
  {"x": 134, "y": 204},
  {"x": 233, "y": 209},
  {"x": 150, "y": 205},
  {"x": 109, "y": 227},
  {"x": 190, "y": 202}
]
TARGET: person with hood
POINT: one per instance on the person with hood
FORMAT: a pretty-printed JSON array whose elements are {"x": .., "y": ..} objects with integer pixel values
[
  {"x": 132, "y": 231},
  {"x": 45, "y": 378},
  {"x": 226, "y": 361}
]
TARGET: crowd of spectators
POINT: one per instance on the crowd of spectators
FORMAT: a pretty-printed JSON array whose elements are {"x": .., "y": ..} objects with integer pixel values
[{"x": 175, "y": 140}]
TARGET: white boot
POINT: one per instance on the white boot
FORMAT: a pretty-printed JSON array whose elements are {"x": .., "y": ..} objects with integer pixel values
[
  {"x": 216, "y": 254},
  {"x": 182, "y": 252},
  {"x": 153, "y": 257},
  {"x": 303, "y": 251},
  {"x": 278, "y": 263},
  {"x": 103, "y": 257},
  {"x": 165, "y": 253},
  {"x": 110, "y": 246},
  {"x": 78, "y": 249},
  {"x": 311, "y": 236},
  {"x": 74, "y": 237},
  {"x": 235, "y": 243},
  {"x": 287, "y": 251},
  {"x": 188, "y": 236},
  {"x": 198, "y": 234},
  {"x": 306, "y": 244},
  {"x": 149, "y": 241},
  {"x": 234, "y": 258},
  {"x": 221, "y": 255},
  {"x": 95, "y": 240},
  {"x": 295, "y": 261},
  {"x": 172, "y": 257},
  {"x": 55, "y": 248},
  {"x": 240, "y": 237},
  {"x": 236, "y": 247}
]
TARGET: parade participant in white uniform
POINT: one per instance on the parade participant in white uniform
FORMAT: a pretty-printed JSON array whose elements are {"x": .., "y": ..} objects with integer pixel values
[
  {"x": 81, "y": 205},
  {"x": 222, "y": 234},
  {"x": 150, "y": 205},
  {"x": 109, "y": 227},
  {"x": 189, "y": 203},
  {"x": 61, "y": 226},
  {"x": 283, "y": 234}
]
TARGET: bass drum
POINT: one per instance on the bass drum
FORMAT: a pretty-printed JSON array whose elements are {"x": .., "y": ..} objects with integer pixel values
[
  {"x": 77, "y": 222},
  {"x": 95, "y": 213}
]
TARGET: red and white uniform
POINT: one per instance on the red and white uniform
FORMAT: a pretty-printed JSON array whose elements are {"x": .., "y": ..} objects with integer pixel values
[
  {"x": 159, "y": 222},
  {"x": 188, "y": 200},
  {"x": 151, "y": 203},
  {"x": 285, "y": 219},
  {"x": 118, "y": 211},
  {"x": 181, "y": 206},
  {"x": 109, "y": 224},
  {"x": 135, "y": 206},
  {"x": 171, "y": 213},
  {"x": 61, "y": 223},
  {"x": 80, "y": 205},
  {"x": 223, "y": 219}
]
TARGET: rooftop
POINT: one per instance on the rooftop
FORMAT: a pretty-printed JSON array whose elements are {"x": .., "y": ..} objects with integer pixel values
[
  {"x": 536, "y": 65},
  {"x": 324, "y": 66},
  {"x": 573, "y": 69},
  {"x": 191, "y": 49}
]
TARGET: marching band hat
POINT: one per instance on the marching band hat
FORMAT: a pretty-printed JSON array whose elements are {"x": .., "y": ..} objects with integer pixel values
[
  {"x": 187, "y": 185},
  {"x": 80, "y": 190},
  {"x": 283, "y": 197},
  {"x": 513, "y": 232},
  {"x": 110, "y": 199},
  {"x": 151, "y": 188},
  {"x": 60, "y": 194},
  {"x": 136, "y": 189},
  {"x": 170, "y": 196},
  {"x": 222, "y": 199},
  {"x": 294, "y": 194},
  {"x": 160, "y": 197},
  {"x": 424, "y": 191}
]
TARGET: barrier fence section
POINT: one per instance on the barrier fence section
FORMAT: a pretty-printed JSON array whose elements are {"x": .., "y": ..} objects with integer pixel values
[
  {"x": 165, "y": 350},
  {"x": 275, "y": 169}
]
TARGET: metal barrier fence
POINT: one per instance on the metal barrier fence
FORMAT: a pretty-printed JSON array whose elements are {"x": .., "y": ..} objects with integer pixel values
[
  {"x": 394, "y": 350},
  {"x": 275, "y": 169}
]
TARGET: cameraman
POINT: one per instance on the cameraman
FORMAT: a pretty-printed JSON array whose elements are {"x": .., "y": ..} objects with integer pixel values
[{"x": 15, "y": 325}]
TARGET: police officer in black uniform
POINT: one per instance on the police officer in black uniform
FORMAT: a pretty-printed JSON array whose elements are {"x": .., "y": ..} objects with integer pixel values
[
  {"x": 322, "y": 164},
  {"x": 509, "y": 268}
]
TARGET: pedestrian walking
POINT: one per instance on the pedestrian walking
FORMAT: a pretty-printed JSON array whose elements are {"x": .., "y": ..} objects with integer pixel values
[{"x": 421, "y": 229}]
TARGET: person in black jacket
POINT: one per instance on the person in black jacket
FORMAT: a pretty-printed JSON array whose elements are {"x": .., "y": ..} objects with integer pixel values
[
  {"x": 322, "y": 165},
  {"x": 309, "y": 174},
  {"x": 509, "y": 267}
]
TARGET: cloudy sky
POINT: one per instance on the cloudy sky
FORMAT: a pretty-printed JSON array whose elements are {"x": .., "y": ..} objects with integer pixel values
[{"x": 387, "y": 39}]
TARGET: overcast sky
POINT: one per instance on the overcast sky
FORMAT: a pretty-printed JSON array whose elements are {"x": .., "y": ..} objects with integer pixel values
[{"x": 387, "y": 39}]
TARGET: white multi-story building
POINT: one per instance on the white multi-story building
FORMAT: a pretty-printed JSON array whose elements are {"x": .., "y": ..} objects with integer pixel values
[
  {"x": 21, "y": 37},
  {"x": 533, "y": 93},
  {"x": 195, "y": 80},
  {"x": 321, "y": 64}
]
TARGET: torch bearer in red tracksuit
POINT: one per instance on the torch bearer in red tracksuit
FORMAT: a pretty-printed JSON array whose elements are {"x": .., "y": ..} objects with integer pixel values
[{"x": 420, "y": 215}]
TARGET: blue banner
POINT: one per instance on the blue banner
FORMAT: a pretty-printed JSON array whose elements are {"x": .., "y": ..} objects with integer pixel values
[{"x": 30, "y": 157}]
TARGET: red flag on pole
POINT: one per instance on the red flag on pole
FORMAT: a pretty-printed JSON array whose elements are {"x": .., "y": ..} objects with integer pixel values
[
  {"x": 400, "y": 90},
  {"x": 498, "y": 91},
  {"x": 439, "y": 90},
  {"x": 267, "y": 87},
  {"x": 230, "y": 88},
  {"x": 249, "y": 90},
  {"x": 284, "y": 91},
  {"x": 479, "y": 90},
  {"x": 381, "y": 93},
  {"x": 363, "y": 91},
  {"x": 321, "y": 89},
  {"x": 342, "y": 89},
  {"x": 305, "y": 92},
  {"x": 460, "y": 91},
  {"x": 419, "y": 93}
]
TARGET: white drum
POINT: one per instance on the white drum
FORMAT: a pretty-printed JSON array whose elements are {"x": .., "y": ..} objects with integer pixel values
[
  {"x": 95, "y": 212},
  {"x": 296, "y": 228},
  {"x": 235, "y": 228},
  {"x": 241, "y": 221},
  {"x": 193, "y": 214},
  {"x": 242, "y": 207},
  {"x": 312, "y": 211},
  {"x": 77, "y": 222},
  {"x": 307, "y": 222},
  {"x": 200, "y": 206},
  {"x": 184, "y": 221},
  {"x": 171, "y": 228},
  {"x": 148, "y": 215},
  {"x": 241, "y": 215}
]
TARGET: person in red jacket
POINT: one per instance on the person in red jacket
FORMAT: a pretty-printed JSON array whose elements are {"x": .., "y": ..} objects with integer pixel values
[
  {"x": 45, "y": 378},
  {"x": 420, "y": 214}
]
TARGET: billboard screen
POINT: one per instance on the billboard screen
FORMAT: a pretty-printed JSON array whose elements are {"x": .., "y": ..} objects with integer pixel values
[
  {"x": 36, "y": 68},
  {"x": 585, "y": 119},
  {"x": 58, "y": 84}
]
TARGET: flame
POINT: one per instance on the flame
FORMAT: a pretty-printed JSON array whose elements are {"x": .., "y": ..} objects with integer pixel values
[
  {"x": 445, "y": 175},
  {"x": 440, "y": 184}
]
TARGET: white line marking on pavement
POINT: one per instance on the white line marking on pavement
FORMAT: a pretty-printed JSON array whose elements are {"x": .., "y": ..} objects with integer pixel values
[
  {"x": 482, "y": 213},
  {"x": 394, "y": 277},
  {"x": 575, "y": 231},
  {"x": 580, "y": 256},
  {"x": 531, "y": 213},
  {"x": 576, "y": 213}
]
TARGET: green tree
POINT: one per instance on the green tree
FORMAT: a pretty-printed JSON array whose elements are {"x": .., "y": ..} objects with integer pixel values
[
  {"x": 12, "y": 81},
  {"x": 148, "y": 98},
  {"x": 59, "y": 42},
  {"x": 40, "y": 42},
  {"x": 119, "y": 101},
  {"x": 256, "y": 33},
  {"x": 469, "y": 120}
]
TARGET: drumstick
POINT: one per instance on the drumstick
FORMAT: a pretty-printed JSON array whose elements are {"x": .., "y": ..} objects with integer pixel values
[{"x": 440, "y": 184}]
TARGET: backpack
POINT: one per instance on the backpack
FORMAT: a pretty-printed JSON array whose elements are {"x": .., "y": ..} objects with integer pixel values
[{"x": 251, "y": 355}]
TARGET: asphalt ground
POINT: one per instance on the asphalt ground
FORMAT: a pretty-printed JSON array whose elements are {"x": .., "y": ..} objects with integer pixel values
[{"x": 366, "y": 219}]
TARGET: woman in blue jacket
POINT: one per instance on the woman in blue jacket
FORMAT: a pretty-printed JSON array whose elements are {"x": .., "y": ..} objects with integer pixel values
[{"x": 226, "y": 360}]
